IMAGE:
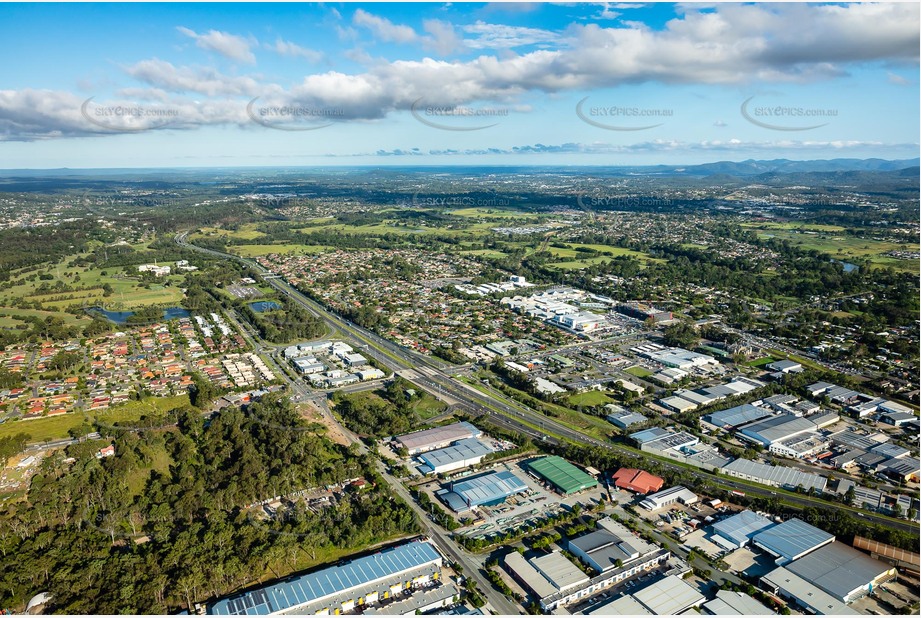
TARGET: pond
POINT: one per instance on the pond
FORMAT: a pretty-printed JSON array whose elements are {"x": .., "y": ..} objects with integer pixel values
[
  {"x": 264, "y": 305},
  {"x": 847, "y": 266},
  {"x": 121, "y": 317}
]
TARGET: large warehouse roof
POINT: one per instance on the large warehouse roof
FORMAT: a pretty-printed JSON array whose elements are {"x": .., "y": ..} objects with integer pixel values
[
  {"x": 557, "y": 568},
  {"x": 458, "y": 453},
  {"x": 437, "y": 437},
  {"x": 781, "y": 476},
  {"x": 739, "y": 415},
  {"x": 792, "y": 585},
  {"x": 729, "y": 603},
  {"x": 621, "y": 606},
  {"x": 489, "y": 488},
  {"x": 647, "y": 435},
  {"x": 525, "y": 572},
  {"x": 742, "y": 527},
  {"x": 839, "y": 570},
  {"x": 298, "y": 591},
  {"x": 604, "y": 548},
  {"x": 561, "y": 474},
  {"x": 792, "y": 539},
  {"x": 777, "y": 428},
  {"x": 669, "y": 596}
]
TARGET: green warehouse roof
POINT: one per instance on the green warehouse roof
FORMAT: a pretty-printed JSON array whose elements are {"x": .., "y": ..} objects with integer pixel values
[{"x": 563, "y": 475}]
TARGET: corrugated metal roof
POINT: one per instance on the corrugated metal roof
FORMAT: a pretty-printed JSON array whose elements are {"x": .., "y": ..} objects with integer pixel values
[
  {"x": 559, "y": 472},
  {"x": 740, "y": 528},
  {"x": 793, "y": 585},
  {"x": 729, "y": 603},
  {"x": 489, "y": 487},
  {"x": 839, "y": 570},
  {"x": 739, "y": 415},
  {"x": 437, "y": 436},
  {"x": 468, "y": 448},
  {"x": 792, "y": 538},
  {"x": 777, "y": 428},
  {"x": 294, "y": 592},
  {"x": 669, "y": 596}
]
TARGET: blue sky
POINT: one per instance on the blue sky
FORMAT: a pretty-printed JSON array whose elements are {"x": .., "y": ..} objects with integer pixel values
[{"x": 139, "y": 85}]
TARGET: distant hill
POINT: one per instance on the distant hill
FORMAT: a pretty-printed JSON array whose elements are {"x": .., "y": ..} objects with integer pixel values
[{"x": 752, "y": 167}]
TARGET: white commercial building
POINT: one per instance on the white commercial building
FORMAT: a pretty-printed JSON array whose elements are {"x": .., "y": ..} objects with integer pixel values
[{"x": 668, "y": 497}]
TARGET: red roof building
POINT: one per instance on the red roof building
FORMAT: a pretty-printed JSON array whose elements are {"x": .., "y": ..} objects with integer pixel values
[{"x": 638, "y": 481}]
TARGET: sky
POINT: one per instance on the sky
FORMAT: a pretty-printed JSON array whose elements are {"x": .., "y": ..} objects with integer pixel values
[{"x": 205, "y": 85}]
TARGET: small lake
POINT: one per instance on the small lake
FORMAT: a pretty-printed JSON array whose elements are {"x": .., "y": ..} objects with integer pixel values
[
  {"x": 120, "y": 317},
  {"x": 264, "y": 305},
  {"x": 847, "y": 266}
]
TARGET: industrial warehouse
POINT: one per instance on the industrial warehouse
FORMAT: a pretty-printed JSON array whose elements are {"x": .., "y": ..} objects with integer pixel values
[
  {"x": 791, "y": 539},
  {"x": 485, "y": 490},
  {"x": 436, "y": 438},
  {"x": 737, "y": 531},
  {"x": 562, "y": 475},
  {"x": 390, "y": 574},
  {"x": 462, "y": 454},
  {"x": 611, "y": 549},
  {"x": 668, "y": 497}
]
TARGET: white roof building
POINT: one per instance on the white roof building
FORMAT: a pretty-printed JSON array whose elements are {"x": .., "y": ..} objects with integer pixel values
[{"x": 667, "y": 497}]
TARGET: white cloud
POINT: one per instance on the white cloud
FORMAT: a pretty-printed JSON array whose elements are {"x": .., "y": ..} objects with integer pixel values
[
  {"x": 660, "y": 145},
  {"x": 202, "y": 80},
  {"x": 226, "y": 44},
  {"x": 607, "y": 12},
  {"x": 443, "y": 39},
  {"x": 384, "y": 29},
  {"x": 501, "y": 36},
  {"x": 733, "y": 44},
  {"x": 287, "y": 48},
  {"x": 28, "y": 115}
]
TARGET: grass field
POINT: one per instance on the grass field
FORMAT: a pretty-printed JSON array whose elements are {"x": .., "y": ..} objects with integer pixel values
[
  {"x": 128, "y": 293},
  {"x": 56, "y": 427},
  {"x": 490, "y": 253},
  {"x": 257, "y": 250},
  {"x": 590, "y": 398},
  {"x": 570, "y": 252},
  {"x": 428, "y": 406},
  {"x": 494, "y": 213},
  {"x": 138, "y": 477},
  {"x": 828, "y": 239},
  {"x": 246, "y": 232},
  {"x": 761, "y": 362},
  {"x": 640, "y": 372}
]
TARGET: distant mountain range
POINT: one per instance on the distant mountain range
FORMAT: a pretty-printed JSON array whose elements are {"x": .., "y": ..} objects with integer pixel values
[{"x": 750, "y": 167}]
